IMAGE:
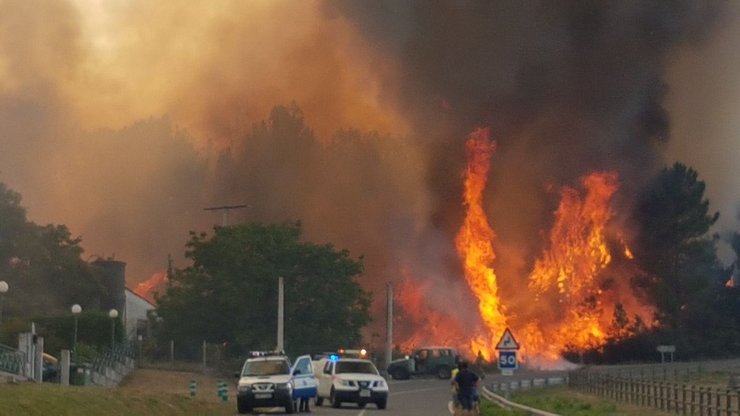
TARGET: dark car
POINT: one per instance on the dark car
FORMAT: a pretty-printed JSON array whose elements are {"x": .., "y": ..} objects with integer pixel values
[
  {"x": 438, "y": 361},
  {"x": 49, "y": 368}
]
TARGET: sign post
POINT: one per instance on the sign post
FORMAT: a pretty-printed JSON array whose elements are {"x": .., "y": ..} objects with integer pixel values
[
  {"x": 662, "y": 349},
  {"x": 507, "y": 359}
]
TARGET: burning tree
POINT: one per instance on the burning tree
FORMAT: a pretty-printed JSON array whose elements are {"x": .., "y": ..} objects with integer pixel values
[{"x": 589, "y": 290}]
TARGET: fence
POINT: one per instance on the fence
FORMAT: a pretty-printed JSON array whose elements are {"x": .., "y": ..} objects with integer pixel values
[
  {"x": 111, "y": 366},
  {"x": 650, "y": 387},
  {"x": 11, "y": 360},
  {"x": 193, "y": 356}
]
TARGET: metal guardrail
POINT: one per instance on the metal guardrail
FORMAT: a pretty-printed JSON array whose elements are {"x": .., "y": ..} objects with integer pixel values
[
  {"x": 11, "y": 360},
  {"x": 526, "y": 383},
  {"x": 501, "y": 401},
  {"x": 505, "y": 387}
]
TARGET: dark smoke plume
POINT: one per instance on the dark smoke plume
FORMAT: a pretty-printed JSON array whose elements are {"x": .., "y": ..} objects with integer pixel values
[{"x": 567, "y": 87}]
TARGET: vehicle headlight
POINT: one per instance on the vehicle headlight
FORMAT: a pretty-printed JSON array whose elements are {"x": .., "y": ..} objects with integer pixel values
[
  {"x": 284, "y": 386},
  {"x": 379, "y": 384},
  {"x": 349, "y": 383},
  {"x": 245, "y": 387}
]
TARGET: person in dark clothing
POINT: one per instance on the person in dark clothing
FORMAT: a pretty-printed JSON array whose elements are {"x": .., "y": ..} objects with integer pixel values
[
  {"x": 466, "y": 382},
  {"x": 303, "y": 405}
]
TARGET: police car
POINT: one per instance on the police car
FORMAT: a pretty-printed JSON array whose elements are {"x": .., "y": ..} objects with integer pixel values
[
  {"x": 267, "y": 379},
  {"x": 350, "y": 380}
]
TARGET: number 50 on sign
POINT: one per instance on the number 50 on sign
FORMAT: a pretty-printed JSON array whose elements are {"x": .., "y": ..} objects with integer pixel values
[{"x": 507, "y": 360}]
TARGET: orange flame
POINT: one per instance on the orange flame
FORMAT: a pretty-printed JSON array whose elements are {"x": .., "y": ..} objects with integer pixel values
[
  {"x": 565, "y": 277},
  {"x": 149, "y": 287},
  {"x": 430, "y": 326},
  {"x": 574, "y": 304},
  {"x": 474, "y": 241}
]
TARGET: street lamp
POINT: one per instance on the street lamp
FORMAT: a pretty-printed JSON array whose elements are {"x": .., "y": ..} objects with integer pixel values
[
  {"x": 113, "y": 315},
  {"x": 76, "y": 309},
  {"x": 3, "y": 291}
]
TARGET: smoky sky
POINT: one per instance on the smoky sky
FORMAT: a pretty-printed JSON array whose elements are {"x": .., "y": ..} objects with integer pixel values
[
  {"x": 567, "y": 87},
  {"x": 125, "y": 119}
]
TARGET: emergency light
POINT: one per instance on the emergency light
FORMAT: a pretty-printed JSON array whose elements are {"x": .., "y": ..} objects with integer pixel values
[{"x": 266, "y": 353}]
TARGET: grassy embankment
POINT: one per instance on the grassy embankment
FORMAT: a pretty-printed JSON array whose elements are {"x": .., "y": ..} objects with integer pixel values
[
  {"x": 144, "y": 392},
  {"x": 566, "y": 402},
  {"x": 49, "y": 399}
]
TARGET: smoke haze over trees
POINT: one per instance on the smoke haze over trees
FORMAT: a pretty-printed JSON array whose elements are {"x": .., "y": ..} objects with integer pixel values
[{"x": 41, "y": 265}]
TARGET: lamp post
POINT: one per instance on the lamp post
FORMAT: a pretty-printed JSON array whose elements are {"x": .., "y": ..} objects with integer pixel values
[
  {"x": 113, "y": 315},
  {"x": 3, "y": 291},
  {"x": 76, "y": 309}
]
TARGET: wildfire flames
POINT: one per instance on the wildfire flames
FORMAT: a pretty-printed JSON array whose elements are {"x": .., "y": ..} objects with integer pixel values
[
  {"x": 148, "y": 288},
  {"x": 571, "y": 302},
  {"x": 437, "y": 326},
  {"x": 474, "y": 242}
]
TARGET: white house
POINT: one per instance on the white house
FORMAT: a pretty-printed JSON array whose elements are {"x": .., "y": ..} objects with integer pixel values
[{"x": 135, "y": 314}]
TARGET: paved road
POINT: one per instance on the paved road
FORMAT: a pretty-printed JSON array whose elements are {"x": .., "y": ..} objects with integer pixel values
[
  {"x": 416, "y": 397},
  {"x": 425, "y": 397}
]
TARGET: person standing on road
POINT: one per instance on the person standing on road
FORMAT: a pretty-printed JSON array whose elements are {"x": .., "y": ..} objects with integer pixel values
[
  {"x": 453, "y": 385},
  {"x": 303, "y": 405},
  {"x": 480, "y": 361},
  {"x": 466, "y": 382}
]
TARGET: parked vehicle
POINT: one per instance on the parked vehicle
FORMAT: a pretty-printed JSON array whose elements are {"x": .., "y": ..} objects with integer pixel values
[
  {"x": 438, "y": 361},
  {"x": 268, "y": 379},
  {"x": 50, "y": 368},
  {"x": 350, "y": 380}
]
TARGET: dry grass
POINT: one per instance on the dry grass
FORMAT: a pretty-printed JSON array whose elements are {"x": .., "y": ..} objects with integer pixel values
[
  {"x": 144, "y": 392},
  {"x": 145, "y": 380}
]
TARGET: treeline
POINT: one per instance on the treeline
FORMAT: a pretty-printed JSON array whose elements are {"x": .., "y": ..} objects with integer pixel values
[{"x": 45, "y": 273}]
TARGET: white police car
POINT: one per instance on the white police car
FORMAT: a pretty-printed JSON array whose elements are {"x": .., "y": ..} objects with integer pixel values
[
  {"x": 350, "y": 380},
  {"x": 267, "y": 379}
]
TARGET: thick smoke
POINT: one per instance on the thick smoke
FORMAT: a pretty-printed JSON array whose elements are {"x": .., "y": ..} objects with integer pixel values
[
  {"x": 566, "y": 87},
  {"x": 703, "y": 102},
  {"x": 124, "y": 119}
]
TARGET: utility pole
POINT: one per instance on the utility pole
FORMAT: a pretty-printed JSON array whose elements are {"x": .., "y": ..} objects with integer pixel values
[
  {"x": 389, "y": 326},
  {"x": 281, "y": 316},
  {"x": 225, "y": 209}
]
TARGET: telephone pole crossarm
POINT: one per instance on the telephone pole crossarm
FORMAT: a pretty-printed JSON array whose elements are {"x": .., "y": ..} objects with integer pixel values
[{"x": 225, "y": 209}]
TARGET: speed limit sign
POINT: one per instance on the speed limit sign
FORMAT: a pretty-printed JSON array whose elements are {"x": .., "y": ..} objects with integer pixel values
[{"x": 507, "y": 360}]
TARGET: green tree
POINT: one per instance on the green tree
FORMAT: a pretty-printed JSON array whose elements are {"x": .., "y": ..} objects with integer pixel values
[
  {"x": 230, "y": 292},
  {"x": 675, "y": 249},
  {"x": 41, "y": 264}
]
